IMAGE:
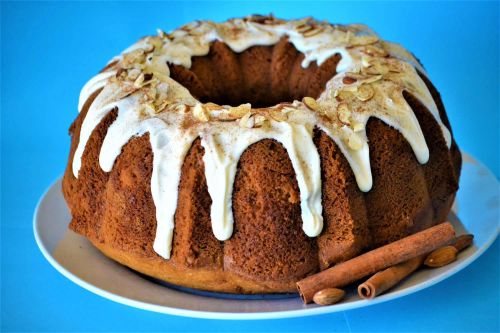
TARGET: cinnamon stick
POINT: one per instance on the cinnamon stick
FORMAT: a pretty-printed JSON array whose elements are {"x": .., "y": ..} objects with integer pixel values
[
  {"x": 376, "y": 260},
  {"x": 388, "y": 278}
]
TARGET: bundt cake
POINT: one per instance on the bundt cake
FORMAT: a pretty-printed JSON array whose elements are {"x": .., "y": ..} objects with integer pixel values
[{"x": 243, "y": 156}]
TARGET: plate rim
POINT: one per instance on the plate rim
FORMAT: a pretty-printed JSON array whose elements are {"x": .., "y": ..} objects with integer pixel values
[{"x": 202, "y": 314}]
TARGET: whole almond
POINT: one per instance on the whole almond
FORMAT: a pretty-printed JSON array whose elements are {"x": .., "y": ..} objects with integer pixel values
[
  {"x": 442, "y": 256},
  {"x": 328, "y": 296},
  {"x": 463, "y": 241}
]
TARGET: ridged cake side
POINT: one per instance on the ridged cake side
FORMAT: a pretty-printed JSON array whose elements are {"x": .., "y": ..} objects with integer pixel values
[{"x": 268, "y": 250}]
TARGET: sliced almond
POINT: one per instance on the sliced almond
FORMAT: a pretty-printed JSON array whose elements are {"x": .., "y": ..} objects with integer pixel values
[
  {"x": 364, "y": 92},
  {"x": 149, "y": 93},
  {"x": 376, "y": 68},
  {"x": 260, "y": 120},
  {"x": 156, "y": 42},
  {"x": 365, "y": 40},
  {"x": 133, "y": 73},
  {"x": 365, "y": 61},
  {"x": 374, "y": 51},
  {"x": 247, "y": 121},
  {"x": 212, "y": 107},
  {"x": 279, "y": 116},
  {"x": 130, "y": 58},
  {"x": 357, "y": 126},
  {"x": 240, "y": 110},
  {"x": 139, "y": 80},
  {"x": 200, "y": 113},
  {"x": 303, "y": 28},
  {"x": 287, "y": 110},
  {"x": 354, "y": 142},
  {"x": 312, "y": 32},
  {"x": 311, "y": 103},
  {"x": 343, "y": 113}
]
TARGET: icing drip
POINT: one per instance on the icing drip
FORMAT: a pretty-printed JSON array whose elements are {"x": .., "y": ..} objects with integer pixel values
[
  {"x": 170, "y": 145},
  {"x": 223, "y": 149},
  {"x": 106, "y": 101},
  {"x": 169, "y": 150},
  {"x": 371, "y": 78},
  {"x": 359, "y": 159},
  {"x": 94, "y": 84}
]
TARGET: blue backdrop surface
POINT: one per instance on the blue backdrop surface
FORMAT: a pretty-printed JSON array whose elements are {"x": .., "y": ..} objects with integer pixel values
[{"x": 49, "y": 50}]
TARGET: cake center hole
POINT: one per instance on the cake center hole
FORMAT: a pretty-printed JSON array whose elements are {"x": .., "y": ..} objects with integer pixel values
[{"x": 261, "y": 75}]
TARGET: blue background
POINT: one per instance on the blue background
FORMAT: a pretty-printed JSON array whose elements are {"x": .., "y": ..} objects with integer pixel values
[{"x": 49, "y": 50}]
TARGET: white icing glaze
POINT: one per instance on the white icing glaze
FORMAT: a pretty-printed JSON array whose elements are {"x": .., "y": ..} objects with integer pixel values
[
  {"x": 372, "y": 76},
  {"x": 224, "y": 146},
  {"x": 105, "y": 102},
  {"x": 94, "y": 84}
]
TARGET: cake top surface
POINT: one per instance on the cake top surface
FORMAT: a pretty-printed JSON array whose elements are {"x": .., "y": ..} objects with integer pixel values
[{"x": 370, "y": 80}]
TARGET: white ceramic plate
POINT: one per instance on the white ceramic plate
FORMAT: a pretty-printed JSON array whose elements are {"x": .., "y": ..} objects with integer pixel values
[{"x": 476, "y": 209}]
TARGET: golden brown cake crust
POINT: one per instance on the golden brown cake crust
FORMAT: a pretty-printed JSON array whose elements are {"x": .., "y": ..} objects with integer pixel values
[{"x": 268, "y": 251}]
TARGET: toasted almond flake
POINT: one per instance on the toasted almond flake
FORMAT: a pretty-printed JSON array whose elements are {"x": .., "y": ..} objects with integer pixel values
[
  {"x": 303, "y": 28},
  {"x": 394, "y": 66},
  {"x": 373, "y": 78},
  {"x": 344, "y": 117},
  {"x": 364, "y": 92},
  {"x": 160, "y": 106},
  {"x": 140, "y": 79},
  {"x": 279, "y": 116},
  {"x": 311, "y": 103},
  {"x": 260, "y": 120},
  {"x": 312, "y": 32},
  {"x": 377, "y": 68},
  {"x": 374, "y": 51},
  {"x": 133, "y": 73},
  {"x": 365, "y": 77},
  {"x": 247, "y": 120},
  {"x": 148, "y": 48},
  {"x": 138, "y": 66},
  {"x": 256, "y": 18},
  {"x": 343, "y": 113},
  {"x": 365, "y": 40},
  {"x": 150, "y": 93},
  {"x": 365, "y": 61},
  {"x": 130, "y": 58},
  {"x": 200, "y": 113},
  {"x": 354, "y": 142},
  {"x": 357, "y": 126},
  {"x": 212, "y": 107},
  {"x": 240, "y": 110},
  {"x": 156, "y": 42}
]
